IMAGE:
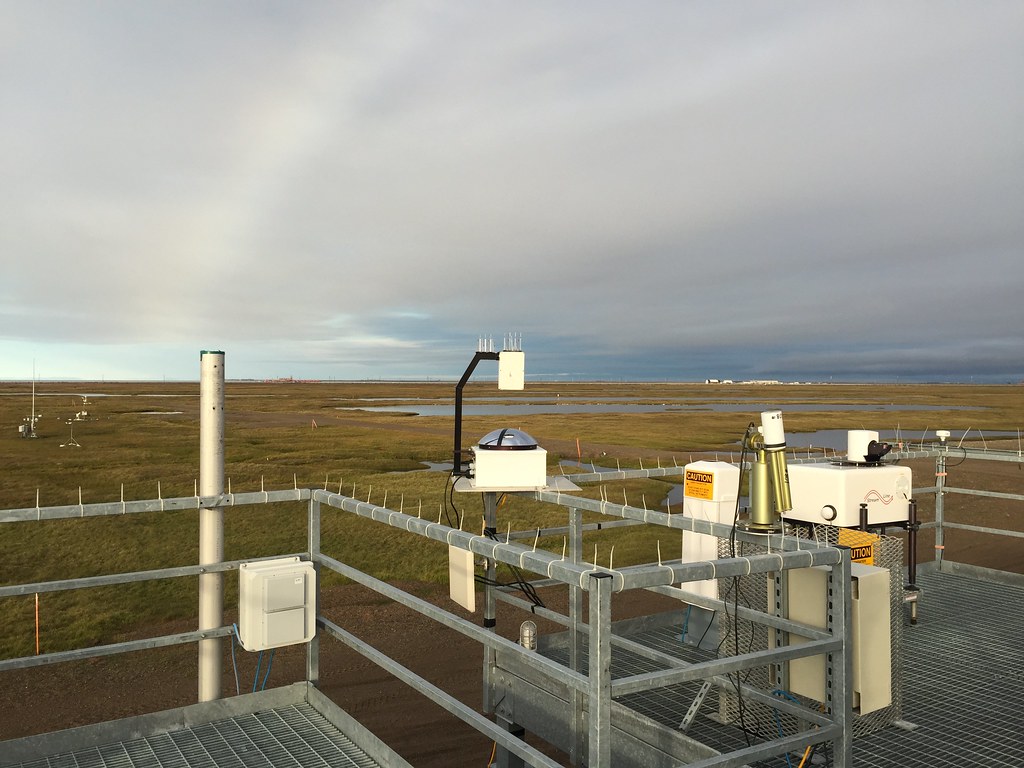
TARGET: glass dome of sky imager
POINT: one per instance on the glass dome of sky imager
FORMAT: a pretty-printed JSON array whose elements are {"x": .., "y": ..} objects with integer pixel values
[{"x": 507, "y": 439}]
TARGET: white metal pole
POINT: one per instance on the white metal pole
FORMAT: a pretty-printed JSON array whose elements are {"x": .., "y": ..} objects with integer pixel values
[{"x": 211, "y": 520}]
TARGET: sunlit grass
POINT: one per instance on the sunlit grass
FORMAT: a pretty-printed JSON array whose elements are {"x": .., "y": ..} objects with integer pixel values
[{"x": 286, "y": 435}]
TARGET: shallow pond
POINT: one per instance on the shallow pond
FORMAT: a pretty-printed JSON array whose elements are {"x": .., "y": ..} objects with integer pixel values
[{"x": 533, "y": 409}]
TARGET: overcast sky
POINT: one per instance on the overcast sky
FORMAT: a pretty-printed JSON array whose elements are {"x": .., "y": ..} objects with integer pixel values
[{"x": 648, "y": 190}]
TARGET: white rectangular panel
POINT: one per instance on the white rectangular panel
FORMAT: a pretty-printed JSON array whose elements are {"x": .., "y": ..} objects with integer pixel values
[
  {"x": 511, "y": 369},
  {"x": 276, "y": 603},
  {"x": 461, "y": 578}
]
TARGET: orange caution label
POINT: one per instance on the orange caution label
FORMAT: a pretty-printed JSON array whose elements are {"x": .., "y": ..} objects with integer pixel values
[
  {"x": 861, "y": 544},
  {"x": 698, "y": 484}
]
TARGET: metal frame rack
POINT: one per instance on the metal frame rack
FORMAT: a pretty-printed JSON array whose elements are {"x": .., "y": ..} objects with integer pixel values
[{"x": 582, "y": 717}]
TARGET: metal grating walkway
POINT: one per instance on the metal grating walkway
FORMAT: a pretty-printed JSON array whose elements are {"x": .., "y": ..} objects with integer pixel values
[
  {"x": 295, "y": 736},
  {"x": 963, "y": 688},
  {"x": 963, "y": 684},
  {"x": 963, "y": 681}
]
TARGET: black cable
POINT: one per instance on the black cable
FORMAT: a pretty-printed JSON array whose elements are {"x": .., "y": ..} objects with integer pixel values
[
  {"x": 734, "y": 590},
  {"x": 523, "y": 586},
  {"x": 962, "y": 458},
  {"x": 705, "y": 632},
  {"x": 739, "y": 485},
  {"x": 450, "y": 502},
  {"x": 735, "y": 587},
  {"x": 519, "y": 581}
]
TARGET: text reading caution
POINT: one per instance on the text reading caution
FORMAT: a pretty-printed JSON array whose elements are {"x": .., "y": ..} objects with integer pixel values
[
  {"x": 699, "y": 485},
  {"x": 861, "y": 544}
]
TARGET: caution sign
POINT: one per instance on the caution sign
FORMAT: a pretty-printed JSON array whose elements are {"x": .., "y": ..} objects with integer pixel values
[
  {"x": 861, "y": 544},
  {"x": 699, "y": 484}
]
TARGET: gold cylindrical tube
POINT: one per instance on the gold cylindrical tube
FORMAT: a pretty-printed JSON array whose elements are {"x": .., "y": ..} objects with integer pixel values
[{"x": 760, "y": 498}]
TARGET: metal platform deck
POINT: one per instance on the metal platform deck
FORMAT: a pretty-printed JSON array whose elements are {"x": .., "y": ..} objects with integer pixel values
[
  {"x": 292, "y": 727},
  {"x": 963, "y": 680},
  {"x": 963, "y": 684}
]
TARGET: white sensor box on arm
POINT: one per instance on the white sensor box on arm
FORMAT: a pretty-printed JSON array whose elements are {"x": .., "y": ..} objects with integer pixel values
[
  {"x": 276, "y": 603},
  {"x": 511, "y": 369}
]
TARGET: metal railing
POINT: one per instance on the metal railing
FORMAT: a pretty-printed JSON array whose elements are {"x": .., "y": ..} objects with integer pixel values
[
  {"x": 947, "y": 457},
  {"x": 591, "y": 695},
  {"x": 591, "y": 692},
  {"x": 595, "y": 722}
]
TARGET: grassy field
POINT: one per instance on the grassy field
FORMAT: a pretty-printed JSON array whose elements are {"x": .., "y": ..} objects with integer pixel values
[{"x": 141, "y": 440}]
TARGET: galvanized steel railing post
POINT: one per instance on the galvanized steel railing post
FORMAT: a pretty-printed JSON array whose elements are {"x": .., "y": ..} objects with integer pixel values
[
  {"x": 578, "y": 742},
  {"x": 211, "y": 519},
  {"x": 839, "y": 665},
  {"x": 490, "y": 603},
  {"x": 600, "y": 672},
  {"x": 940, "y": 484},
  {"x": 313, "y": 647}
]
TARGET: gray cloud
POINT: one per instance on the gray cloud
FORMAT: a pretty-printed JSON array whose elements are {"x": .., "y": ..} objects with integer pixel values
[{"x": 655, "y": 191}]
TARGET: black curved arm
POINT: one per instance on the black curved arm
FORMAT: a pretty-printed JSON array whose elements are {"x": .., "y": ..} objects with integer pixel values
[{"x": 457, "y": 452}]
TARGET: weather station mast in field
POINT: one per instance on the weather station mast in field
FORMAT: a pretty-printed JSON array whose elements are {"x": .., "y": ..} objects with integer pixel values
[
  {"x": 71, "y": 441},
  {"x": 28, "y": 429}
]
